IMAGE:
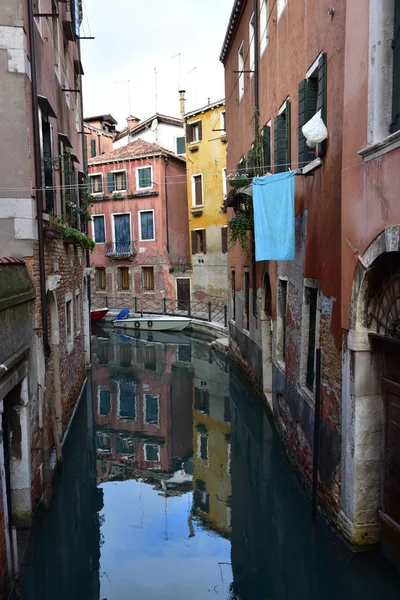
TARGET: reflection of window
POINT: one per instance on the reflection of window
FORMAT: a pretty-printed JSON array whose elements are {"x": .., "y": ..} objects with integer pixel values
[
  {"x": 152, "y": 453},
  {"x": 103, "y": 441},
  {"x": 104, "y": 402},
  {"x": 69, "y": 322},
  {"x": 227, "y": 409},
  {"x": 201, "y": 499},
  {"x": 151, "y": 409},
  {"x": 102, "y": 349},
  {"x": 202, "y": 401},
  {"x": 150, "y": 358},
  {"x": 124, "y": 444},
  {"x": 185, "y": 352},
  {"x": 125, "y": 355},
  {"x": 202, "y": 445},
  {"x": 127, "y": 400}
]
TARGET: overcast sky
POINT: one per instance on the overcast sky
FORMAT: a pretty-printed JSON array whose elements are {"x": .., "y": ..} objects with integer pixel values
[{"x": 133, "y": 37}]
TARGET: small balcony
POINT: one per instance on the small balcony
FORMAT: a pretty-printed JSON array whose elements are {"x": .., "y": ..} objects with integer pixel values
[{"x": 120, "y": 250}]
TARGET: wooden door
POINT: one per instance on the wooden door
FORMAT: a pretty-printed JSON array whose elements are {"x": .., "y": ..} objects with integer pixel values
[
  {"x": 122, "y": 233},
  {"x": 390, "y": 487},
  {"x": 183, "y": 293}
]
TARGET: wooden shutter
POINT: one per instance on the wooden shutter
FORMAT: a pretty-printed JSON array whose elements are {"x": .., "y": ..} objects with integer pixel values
[
  {"x": 287, "y": 135},
  {"x": 123, "y": 273},
  {"x": 189, "y": 133},
  {"x": 395, "y": 124},
  {"x": 198, "y": 190},
  {"x": 279, "y": 144},
  {"x": 308, "y": 90},
  {"x": 200, "y": 130},
  {"x": 125, "y": 181},
  {"x": 266, "y": 133},
  {"x": 92, "y": 148},
  {"x": 322, "y": 97},
  {"x": 110, "y": 182},
  {"x": 99, "y": 232},
  {"x": 203, "y": 241},
  {"x": 194, "y": 242},
  {"x": 224, "y": 240}
]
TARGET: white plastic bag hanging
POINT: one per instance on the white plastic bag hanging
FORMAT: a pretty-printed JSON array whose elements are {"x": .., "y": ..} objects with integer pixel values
[{"x": 315, "y": 130}]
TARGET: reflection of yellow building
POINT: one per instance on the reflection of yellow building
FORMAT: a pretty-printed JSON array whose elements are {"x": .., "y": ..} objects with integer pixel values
[
  {"x": 211, "y": 447},
  {"x": 206, "y": 173}
]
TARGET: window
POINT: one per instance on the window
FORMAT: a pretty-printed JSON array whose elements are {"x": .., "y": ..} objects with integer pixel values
[
  {"x": 69, "y": 321},
  {"x": 224, "y": 185},
  {"x": 266, "y": 142},
  {"x": 185, "y": 352},
  {"x": 180, "y": 145},
  {"x": 144, "y": 178},
  {"x": 122, "y": 233},
  {"x": 194, "y": 132},
  {"x": 282, "y": 309},
  {"x": 102, "y": 351},
  {"x": 152, "y": 453},
  {"x": 281, "y": 7},
  {"x": 202, "y": 445},
  {"x": 233, "y": 296},
  {"x": 99, "y": 234},
  {"x": 201, "y": 499},
  {"x": 96, "y": 184},
  {"x": 125, "y": 444},
  {"x": 123, "y": 279},
  {"x": 100, "y": 278},
  {"x": 146, "y": 225},
  {"x": 148, "y": 279},
  {"x": 264, "y": 25},
  {"x": 199, "y": 241},
  {"x": 104, "y": 402},
  {"x": 311, "y": 297},
  {"x": 37, "y": 11},
  {"x": 395, "y": 124},
  {"x": 127, "y": 400},
  {"x": 125, "y": 355},
  {"x": 47, "y": 164},
  {"x": 224, "y": 240},
  {"x": 240, "y": 69},
  {"x": 150, "y": 358},
  {"x": 282, "y": 139},
  {"x": 116, "y": 181},
  {"x": 246, "y": 316},
  {"x": 197, "y": 190},
  {"x": 92, "y": 148},
  {"x": 75, "y": 16},
  {"x": 201, "y": 400},
  {"x": 151, "y": 409},
  {"x": 312, "y": 98},
  {"x": 252, "y": 43},
  {"x": 77, "y": 312}
]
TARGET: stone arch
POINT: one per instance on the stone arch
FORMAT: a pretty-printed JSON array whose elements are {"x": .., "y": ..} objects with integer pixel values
[{"x": 374, "y": 311}]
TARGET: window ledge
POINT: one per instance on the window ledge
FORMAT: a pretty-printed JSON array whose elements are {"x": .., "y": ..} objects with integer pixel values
[
  {"x": 246, "y": 332},
  {"x": 307, "y": 394},
  {"x": 314, "y": 164},
  {"x": 379, "y": 148},
  {"x": 281, "y": 365}
]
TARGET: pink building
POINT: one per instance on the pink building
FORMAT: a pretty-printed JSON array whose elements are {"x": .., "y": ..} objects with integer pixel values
[{"x": 140, "y": 225}]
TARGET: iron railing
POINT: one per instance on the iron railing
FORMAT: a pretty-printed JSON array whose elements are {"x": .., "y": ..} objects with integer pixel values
[
  {"x": 202, "y": 311},
  {"x": 120, "y": 249}
]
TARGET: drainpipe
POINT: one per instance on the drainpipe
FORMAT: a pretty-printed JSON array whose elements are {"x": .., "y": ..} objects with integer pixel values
[
  {"x": 166, "y": 162},
  {"x": 257, "y": 108},
  {"x": 38, "y": 180}
]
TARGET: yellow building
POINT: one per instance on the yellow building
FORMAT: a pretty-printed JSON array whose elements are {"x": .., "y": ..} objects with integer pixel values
[{"x": 206, "y": 181}]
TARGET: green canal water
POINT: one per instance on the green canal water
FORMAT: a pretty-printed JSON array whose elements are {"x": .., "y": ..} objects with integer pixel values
[{"x": 175, "y": 487}]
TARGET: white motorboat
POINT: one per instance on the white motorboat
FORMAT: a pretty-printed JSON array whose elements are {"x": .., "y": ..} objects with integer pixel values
[{"x": 153, "y": 323}]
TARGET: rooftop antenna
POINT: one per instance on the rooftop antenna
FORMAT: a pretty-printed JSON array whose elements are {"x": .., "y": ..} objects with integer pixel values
[
  {"x": 195, "y": 79},
  {"x": 178, "y": 56}
]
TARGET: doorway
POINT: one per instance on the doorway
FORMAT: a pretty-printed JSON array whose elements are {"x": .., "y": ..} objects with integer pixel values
[{"x": 183, "y": 293}]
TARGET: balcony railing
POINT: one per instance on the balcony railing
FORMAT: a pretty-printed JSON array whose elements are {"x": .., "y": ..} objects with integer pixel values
[{"x": 120, "y": 250}]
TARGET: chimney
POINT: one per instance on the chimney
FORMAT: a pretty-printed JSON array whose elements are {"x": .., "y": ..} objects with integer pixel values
[
  {"x": 182, "y": 101},
  {"x": 208, "y": 101}
]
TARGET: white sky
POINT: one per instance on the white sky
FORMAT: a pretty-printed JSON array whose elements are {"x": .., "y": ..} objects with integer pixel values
[{"x": 133, "y": 37}]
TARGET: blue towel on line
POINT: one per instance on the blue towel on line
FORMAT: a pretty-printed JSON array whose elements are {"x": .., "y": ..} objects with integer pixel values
[{"x": 273, "y": 202}]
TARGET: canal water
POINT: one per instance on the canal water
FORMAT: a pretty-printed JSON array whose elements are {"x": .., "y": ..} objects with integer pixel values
[{"x": 175, "y": 487}]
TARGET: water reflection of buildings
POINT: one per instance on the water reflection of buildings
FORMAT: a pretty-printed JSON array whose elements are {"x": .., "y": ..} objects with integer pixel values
[
  {"x": 211, "y": 441},
  {"x": 142, "y": 395}
]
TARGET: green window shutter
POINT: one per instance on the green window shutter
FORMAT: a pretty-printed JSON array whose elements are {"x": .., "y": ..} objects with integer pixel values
[
  {"x": 180, "y": 145},
  {"x": 125, "y": 181},
  {"x": 279, "y": 144},
  {"x": 288, "y": 136},
  {"x": 110, "y": 182},
  {"x": 308, "y": 90},
  {"x": 266, "y": 133},
  {"x": 395, "y": 124},
  {"x": 322, "y": 97},
  {"x": 145, "y": 177},
  {"x": 92, "y": 148}
]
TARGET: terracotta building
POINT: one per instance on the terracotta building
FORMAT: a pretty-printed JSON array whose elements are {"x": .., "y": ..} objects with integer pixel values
[
  {"x": 44, "y": 312},
  {"x": 276, "y": 70},
  {"x": 140, "y": 225},
  {"x": 99, "y": 134}
]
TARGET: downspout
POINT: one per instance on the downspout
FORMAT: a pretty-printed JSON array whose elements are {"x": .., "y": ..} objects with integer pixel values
[
  {"x": 257, "y": 112},
  {"x": 38, "y": 180},
  {"x": 166, "y": 162}
]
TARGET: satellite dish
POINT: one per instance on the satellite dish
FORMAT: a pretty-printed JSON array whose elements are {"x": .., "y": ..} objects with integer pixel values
[{"x": 154, "y": 124}]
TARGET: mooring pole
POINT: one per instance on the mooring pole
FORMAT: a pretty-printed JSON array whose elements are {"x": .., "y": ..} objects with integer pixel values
[{"x": 317, "y": 422}]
